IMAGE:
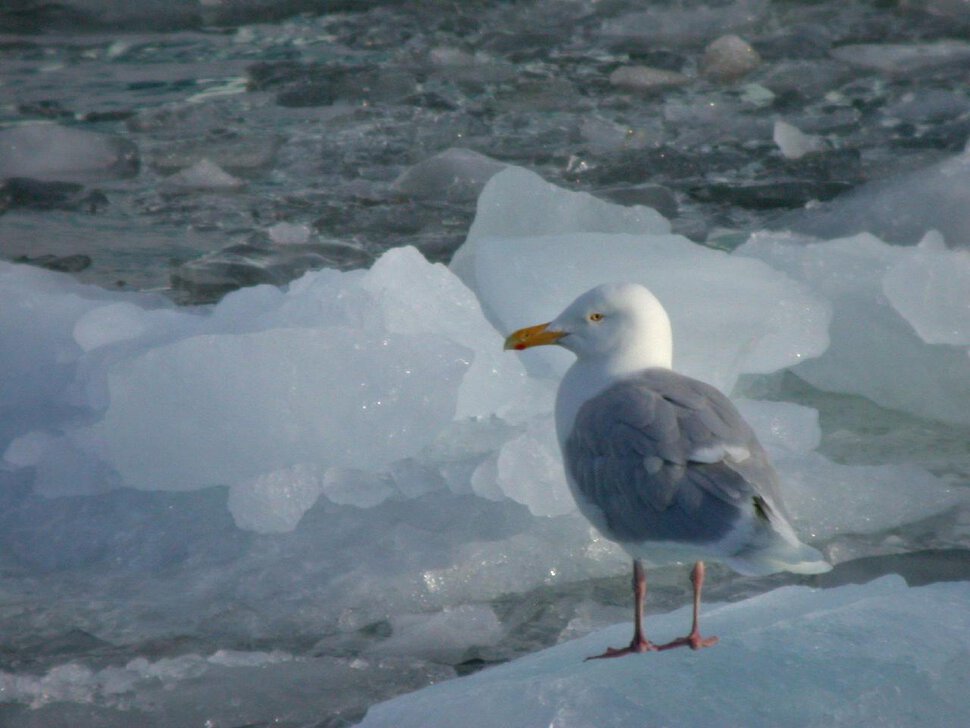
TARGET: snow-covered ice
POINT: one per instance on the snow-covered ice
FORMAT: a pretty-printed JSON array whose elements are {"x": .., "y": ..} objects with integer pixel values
[{"x": 877, "y": 654}]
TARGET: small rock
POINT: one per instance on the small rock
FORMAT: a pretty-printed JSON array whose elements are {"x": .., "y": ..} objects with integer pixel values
[{"x": 729, "y": 58}]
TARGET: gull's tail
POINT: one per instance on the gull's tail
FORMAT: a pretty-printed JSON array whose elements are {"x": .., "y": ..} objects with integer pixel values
[
  {"x": 798, "y": 558},
  {"x": 773, "y": 546}
]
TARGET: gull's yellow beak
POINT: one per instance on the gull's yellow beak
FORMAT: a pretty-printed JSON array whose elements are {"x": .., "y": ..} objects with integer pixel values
[{"x": 532, "y": 336}]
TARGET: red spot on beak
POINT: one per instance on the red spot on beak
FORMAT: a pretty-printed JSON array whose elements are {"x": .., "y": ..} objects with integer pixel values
[{"x": 532, "y": 336}]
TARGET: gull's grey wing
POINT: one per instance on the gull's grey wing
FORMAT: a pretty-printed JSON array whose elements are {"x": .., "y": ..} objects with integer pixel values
[{"x": 663, "y": 457}]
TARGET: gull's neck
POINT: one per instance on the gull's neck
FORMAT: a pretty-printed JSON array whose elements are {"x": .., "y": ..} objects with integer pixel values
[{"x": 590, "y": 375}]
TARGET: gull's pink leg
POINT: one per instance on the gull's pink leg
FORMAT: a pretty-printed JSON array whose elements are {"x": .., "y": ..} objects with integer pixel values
[
  {"x": 639, "y": 643},
  {"x": 694, "y": 639}
]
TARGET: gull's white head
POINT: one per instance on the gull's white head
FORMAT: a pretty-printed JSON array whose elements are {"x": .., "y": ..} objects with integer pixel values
[{"x": 619, "y": 325}]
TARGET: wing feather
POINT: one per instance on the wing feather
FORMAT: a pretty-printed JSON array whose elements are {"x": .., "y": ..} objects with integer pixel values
[{"x": 663, "y": 457}]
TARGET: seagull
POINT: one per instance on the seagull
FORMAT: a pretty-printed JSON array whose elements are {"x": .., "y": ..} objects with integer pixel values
[{"x": 661, "y": 463}]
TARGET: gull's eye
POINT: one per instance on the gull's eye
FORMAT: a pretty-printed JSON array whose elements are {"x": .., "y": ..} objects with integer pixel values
[{"x": 594, "y": 317}]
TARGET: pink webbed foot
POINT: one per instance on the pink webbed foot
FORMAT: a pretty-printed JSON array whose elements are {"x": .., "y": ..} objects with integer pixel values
[
  {"x": 640, "y": 644},
  {"x": 693, "y": 640},
  {"x": 635, "y": 647}
]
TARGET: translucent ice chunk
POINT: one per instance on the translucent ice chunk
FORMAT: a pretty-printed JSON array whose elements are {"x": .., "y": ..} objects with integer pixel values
[
  {"x": 225, "y": 408},
  {"x": 782, "y": 426},
  {"x": 728, "y": 316},
  {"x": 355, "y": 487},
  {"x": 875, "y": 351},
  {"x": 793, "y": 142},
  {"x": 930, "y": 287},
  {"x": 898, "y": 209},
  {"x": 275, "y": 502},
  {"x": 109, "y": 324},
  {"x": 454, "y": 174},
  {"x": 39, "y": 354},
  {"x": 416, "y": 296},
  {"x": 27, "y": 450},
  {"x": 829, "y": 499},
  {"x": 530, "y": 471},
  {"x": 517, "y": 203}
]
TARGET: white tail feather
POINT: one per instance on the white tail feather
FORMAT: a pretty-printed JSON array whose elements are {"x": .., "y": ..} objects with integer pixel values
[{"x": 781, "y": 556}]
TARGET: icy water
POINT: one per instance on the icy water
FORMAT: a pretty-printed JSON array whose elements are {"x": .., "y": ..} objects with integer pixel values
[
  {"x": 176, "y": 152},
  {"x": 316, "y": 116}
]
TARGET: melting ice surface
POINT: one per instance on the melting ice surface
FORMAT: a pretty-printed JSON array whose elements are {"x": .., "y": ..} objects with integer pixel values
[{"x": 350, "y": 467}]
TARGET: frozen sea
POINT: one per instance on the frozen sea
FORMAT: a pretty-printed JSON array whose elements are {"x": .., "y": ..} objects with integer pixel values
[{"x": 263, "y": 461}]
